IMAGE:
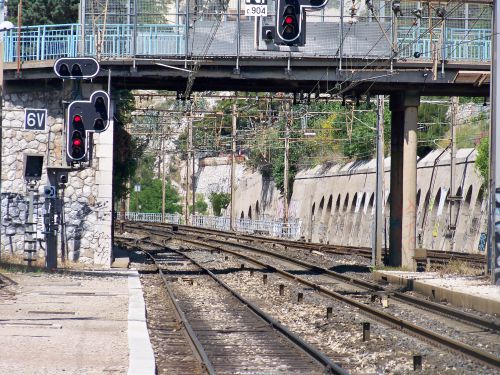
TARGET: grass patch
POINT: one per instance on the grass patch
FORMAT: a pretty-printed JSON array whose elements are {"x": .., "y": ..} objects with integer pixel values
[
  {"x": 391, "y": 268},
  {"x": 458, "y": 267}
]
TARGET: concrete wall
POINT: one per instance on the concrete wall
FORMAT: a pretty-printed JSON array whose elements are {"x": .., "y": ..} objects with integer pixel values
[
  {"x": 336, "y": 202},
  {"x": 87, "y": 196}
]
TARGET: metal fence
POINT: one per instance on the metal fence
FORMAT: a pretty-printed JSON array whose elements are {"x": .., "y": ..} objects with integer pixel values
[
  {"x": 464, "y": 35},
  {"x": 272, "y": 228},
  {"x": 152, "y": 217}
]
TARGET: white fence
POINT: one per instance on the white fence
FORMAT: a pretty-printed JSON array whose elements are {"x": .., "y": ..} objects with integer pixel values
[
  {"x": 153, "y": 217},
  {"x": 262, "y": 227}
]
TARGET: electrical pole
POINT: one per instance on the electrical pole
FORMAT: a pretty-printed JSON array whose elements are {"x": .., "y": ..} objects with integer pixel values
[
  {"x": 494, "y": 181},
  {"x": 193, "y": 188},
  {"x": 188, "y": 155},
  {"x": 453, "y": 161},
  {"x": 233, "y": 166},
  {"x": 378, "y": 224},
  {"x": 289, "y": 119},
  {"x": 163, "y": 195}
]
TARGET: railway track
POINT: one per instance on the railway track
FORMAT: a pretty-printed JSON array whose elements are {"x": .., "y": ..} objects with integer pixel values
[
  {"x": 361, "y": 286},
  {"x": 434, "y": 256},
  {"x": 231, "y": 335}
]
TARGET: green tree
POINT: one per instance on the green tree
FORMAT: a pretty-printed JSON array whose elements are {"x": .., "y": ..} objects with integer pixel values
[
  {"x": 149, "y": 198},
  {"x": 483, "y": 158},
  {"x": 201, "y": 206},
  {"x": 219, "y": 201},
  {"x": 44, "y": 12},
  {"x": 127, "y": 150}
]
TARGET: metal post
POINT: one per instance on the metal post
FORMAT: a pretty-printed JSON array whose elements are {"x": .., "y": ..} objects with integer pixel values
[
  {"x": 134, "y": 45},
  {"x": 341, "y": 46},
  {"x": 238, "y": 42},
  {"x": 188, "y": 158},
  {"x": 453, "y": 148},
  {"x": 186, "y": 36},
  {"x": 163, "y": 193},
  {"x": 233, "y": 165},
  {"x": 379, "y": 189},
  {"x": 494, "y": 235},
  {"x": 19, "y": 25},
  {"x": 1, "y": 120},
  {"x": 193, "y": 161},
  {"x": 289, "y": 119}
]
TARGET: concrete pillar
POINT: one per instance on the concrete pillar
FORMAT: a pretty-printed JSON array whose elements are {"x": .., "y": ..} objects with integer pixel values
[{"x": 402, "y": 235}]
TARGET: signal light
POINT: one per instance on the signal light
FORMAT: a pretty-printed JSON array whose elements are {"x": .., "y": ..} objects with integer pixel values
[
  {"x": 291, "y": 20},
  {"x": 86, "y": 116},
  {"x": 77, "y": 150},
  {"x": 81, "y": 68}
]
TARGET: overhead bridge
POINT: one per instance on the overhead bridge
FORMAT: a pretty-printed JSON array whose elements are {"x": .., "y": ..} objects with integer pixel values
[{"x": 377, "y": 51}]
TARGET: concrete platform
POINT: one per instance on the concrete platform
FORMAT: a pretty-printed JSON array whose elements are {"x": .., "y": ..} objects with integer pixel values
[
  {"x": 90, "y": 322},
  {"x": 476, "y": 293}
]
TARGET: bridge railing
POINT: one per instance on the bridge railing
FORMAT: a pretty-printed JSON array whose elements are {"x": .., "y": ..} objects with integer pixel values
[
  {"x": 50, "y": 42},
  {"x": 458, "y": 38}
]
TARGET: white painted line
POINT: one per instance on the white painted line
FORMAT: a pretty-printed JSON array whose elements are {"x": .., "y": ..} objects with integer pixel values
[{"x": 141, "y": 357}]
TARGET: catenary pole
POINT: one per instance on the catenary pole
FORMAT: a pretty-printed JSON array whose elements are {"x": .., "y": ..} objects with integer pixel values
[
  {"x": 494, "y": 182},
  {"x": 379, "y": 190},
  {"x": 233, "y": 166}
]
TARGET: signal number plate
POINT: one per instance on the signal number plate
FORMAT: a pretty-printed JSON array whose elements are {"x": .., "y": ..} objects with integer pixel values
[{"x": 252, "y": 10}]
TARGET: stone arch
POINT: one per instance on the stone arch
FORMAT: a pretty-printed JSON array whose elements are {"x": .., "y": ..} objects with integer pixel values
[
  {"x": 320, "y": 208},
  {"x": 475, "y": 222},
  {"x": 367, "y": 222},
  {"x": 463, "y": 222},
  {"x": 250, "y": 212},
  {"x": 346, "y": 203},
  {"x": 328, "y": 217},
  {"x": 242, "y": 216},
  {"x": 257, "y": 209},
  {"x": 358, "y": 216},
  {"x": 371, "y": 208},
  {"x": 337, "y": 204},
  {"x": 349, "y": 219},
  {"x": 433, "y": 223}
]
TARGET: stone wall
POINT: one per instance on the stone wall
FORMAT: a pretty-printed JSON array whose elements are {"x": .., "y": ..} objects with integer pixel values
[
  {"x": 336, "y": 202},
  {"x": 85, "y": 219}
]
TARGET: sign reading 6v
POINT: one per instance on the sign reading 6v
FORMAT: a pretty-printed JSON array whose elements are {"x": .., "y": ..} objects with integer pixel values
[{"x": 35, "y": 119}]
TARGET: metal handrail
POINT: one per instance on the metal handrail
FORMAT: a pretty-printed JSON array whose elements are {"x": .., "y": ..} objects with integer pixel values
[{"x": 48, "y": 42}]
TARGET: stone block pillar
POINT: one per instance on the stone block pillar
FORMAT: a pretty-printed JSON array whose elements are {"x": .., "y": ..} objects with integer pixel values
[{"x": 402, "y": 235}]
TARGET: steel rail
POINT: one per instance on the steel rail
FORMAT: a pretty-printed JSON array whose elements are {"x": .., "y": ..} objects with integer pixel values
[
  {"x": 196, "y": 344},
  {"x": 433, "y": 307},
  {"x": 314, "y": 353},
  {"x": 386, "y": 318},
  {"x": 428, "y": 305},
  {"x": 398, "y": 296},
  {"x": 337, "y": 249}
]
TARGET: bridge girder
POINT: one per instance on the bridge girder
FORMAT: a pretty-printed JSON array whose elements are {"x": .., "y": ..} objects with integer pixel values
[{"x": 265, "y": 75}]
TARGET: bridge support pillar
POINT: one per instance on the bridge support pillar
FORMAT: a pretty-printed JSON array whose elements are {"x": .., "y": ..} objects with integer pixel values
[{"x": 402, "y": 235}]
